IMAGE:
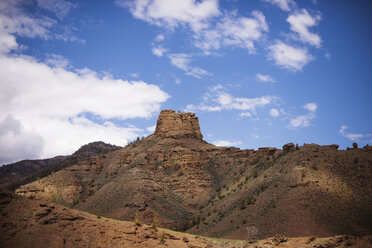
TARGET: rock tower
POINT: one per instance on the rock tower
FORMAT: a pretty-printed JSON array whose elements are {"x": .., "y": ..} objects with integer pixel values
[{"x": 178, "y": 125}]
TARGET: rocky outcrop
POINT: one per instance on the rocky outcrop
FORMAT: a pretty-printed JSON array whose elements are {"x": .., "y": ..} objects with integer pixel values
[
  {"x": 290, "y": 147},
  {"x": 178, "y": 125}
]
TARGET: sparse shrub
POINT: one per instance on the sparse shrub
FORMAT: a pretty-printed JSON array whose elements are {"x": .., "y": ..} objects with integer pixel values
[
  {"x": 154, "y": 224},
  {"x": 265, "y": 176},
  {"x": 254, "y": 161},
  {"x": 137, "y": 222},
  {"x": 196, "y": 221},
  {"x": 244, "y": 222},
  {"x": 251, "y": 200},
  {"x": 263, "y": 187},
  {"x": 242, "y": 205},
  {"x": 255, "y": 174},
  {"x": 303, "y": 175},
  {"x": 162, "y": 239},
  {"x": 356, "y": 160},
  {"x": 99, "y": 216}
]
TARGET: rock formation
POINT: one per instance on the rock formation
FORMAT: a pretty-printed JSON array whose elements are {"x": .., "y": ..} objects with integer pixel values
[
  {"x": 204, "y": 189},
  {"x": 290, "y": 147},
  {"x": 178, "y": 125}
]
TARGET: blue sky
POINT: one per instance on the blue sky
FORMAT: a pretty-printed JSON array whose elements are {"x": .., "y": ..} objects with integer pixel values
[{"x": 257, "y": 73}]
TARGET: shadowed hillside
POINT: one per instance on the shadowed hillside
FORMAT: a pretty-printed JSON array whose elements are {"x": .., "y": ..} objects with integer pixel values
[
  {"x": 41, "y": 223},
  {"x": 25, "y": 171}
]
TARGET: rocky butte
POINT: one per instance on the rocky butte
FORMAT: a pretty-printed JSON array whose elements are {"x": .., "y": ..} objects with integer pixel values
[
  {"x": 178, "y": 125},
  {"x": 190, "y": 185}
]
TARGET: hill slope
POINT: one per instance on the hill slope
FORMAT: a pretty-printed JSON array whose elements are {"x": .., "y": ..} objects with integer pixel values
[
  {"x": 40, "y": 223},
  {"x": 25, "y": 171},
  {"x": 194, "y": 186}
]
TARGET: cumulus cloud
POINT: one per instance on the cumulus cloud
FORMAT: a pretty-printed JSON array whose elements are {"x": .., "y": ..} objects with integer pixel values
[
  {"x": 289, "y": 57},
  {"x": 264, "y": 78},
  {"x": 226, "y": 143},
  {"x": 233, "y": 31},
  {"x": 182, "y": 61},
  {"x": 45, "y": 106},
  {"x": 274, "y": 112},
  {"x": 300, "y": 23},
  {"x": 217, "y": 99},
  {"x": 171, "y": 14},
  {"x": 350, "y": 136},
  {"x": 304, "y": 120},
  {"x": 16, "y": 143},
  {"x": 285, "y": 5}
]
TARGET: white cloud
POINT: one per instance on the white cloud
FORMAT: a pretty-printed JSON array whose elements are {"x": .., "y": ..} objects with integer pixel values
[
  {"x": 151, "y": 129},
  {"x": 59, "y": 7},
  {"x": 55, "y": 60},
  {"x": 233, "y": 31},
  {"x": 182, "y": 61},
  {"x": 44, "y": 106},
  {"x": 212, "y": 30},
  {"x": 300, "y": 22},
  {"x": 159, "y": 38},
  {"x": 312, "y": 106},
  {"x": 285, "y": 5},
  {"x": 217, "y": 99},
  {"x": 245, "y": 114},
  {"x": 255, "y": 136},
  {"x": 289, "y": 57},
  {"x": 264, "y": 78},
  {"x": 304, "y": 120},
  {"x": 171, "y": 14},
  {"x": 226, "y": 143},
  {"x": 274, "y": 112},
  {"x": 159, "y": 51},
  {"x": 14, "y": 21},
  {"x": 328, "y": 56},
  {"x": 350, "y": 136},
  {"x": 16, "y": 143}
]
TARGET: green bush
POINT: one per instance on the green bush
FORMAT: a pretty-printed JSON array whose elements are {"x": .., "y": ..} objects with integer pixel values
[{"x": 138, "y": 222}]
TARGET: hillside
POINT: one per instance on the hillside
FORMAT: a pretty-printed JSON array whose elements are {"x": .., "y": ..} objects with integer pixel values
[
  {"x": 40, "y": 223},
  {"x": 25, "y": 171},
  {"x": 193, "y": 186}
]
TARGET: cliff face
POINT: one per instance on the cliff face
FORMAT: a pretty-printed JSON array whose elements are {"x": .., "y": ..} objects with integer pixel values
[{"x": 178, "y": 125}]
